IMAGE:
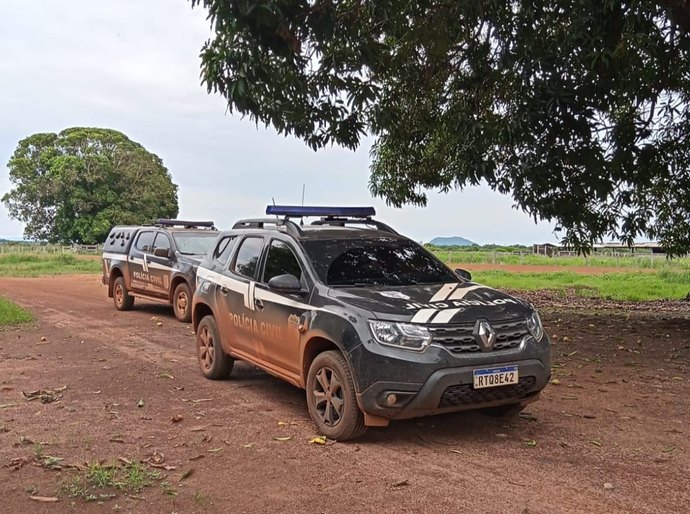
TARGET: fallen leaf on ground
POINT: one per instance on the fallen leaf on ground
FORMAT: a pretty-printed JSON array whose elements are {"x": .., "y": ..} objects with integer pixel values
[
  {"x": 187, "y": 474},
  {"x": 555, "y": 382},
  {"x": 197, "y": 457},
  {"x": 286, "y": 438},
  {"x": 140, "y": 404},
  {"x": 282, "y": 424},
  {"x": 165, "y": 375},
  {"x": 530, "y": 443},
  {"x": 215, "y": 450},
  {"x": 401, "y": 483},
  {"x": 45, "y": 499},
  {"x": 608, "y": 485},
  {"x": 318, "y": 440},
  {"x": 45, "y": 395},
  {"x": 248, "y": 445},
  {"x": 177, "y": 418},
  {"x": 669, "y": 449},
  {"x": 595, "y": 442}
]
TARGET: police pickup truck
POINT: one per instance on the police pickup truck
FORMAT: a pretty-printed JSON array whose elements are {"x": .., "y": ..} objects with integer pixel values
[
  {"x": 156, "y": 262},
  {"x": 373, "y": 326}
]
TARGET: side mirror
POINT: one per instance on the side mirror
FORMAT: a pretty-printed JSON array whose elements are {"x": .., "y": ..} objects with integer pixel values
[
  {"x": 162, "y": 252},
  {"x": 463, "y": 274},
  {"x": 285, "y": 284}
]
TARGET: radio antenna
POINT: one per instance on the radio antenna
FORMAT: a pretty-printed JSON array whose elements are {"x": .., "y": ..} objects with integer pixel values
[{"x": 304, "y": 186}]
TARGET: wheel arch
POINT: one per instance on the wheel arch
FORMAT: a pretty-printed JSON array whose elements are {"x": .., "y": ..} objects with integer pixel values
[
  {"x": 115, "y": 273},
  {"x": 176, "y": 281},
  {"x": 200, "y": 310},
  {"x": 314, "y": 346}
]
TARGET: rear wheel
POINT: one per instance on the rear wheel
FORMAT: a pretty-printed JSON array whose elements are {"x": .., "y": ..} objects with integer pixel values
[
  {"x": 182, "y": 302},
  {"x": 121, "y": 297},
  {"x": 331, "y": 398},
  {"x": 214, "y": 363}
]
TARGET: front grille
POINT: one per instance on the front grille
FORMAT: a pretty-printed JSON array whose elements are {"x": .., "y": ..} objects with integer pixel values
[
  {"x": 465, "y": 394},
  {"x": 459, "y": 338}
]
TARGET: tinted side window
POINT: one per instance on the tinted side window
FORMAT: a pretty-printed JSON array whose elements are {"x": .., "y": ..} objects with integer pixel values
[
  {"x": 281, "y": 261},
  {"x": 145, "y": 242},
  {"x": 162, "y": 241},
  {"x": 223, "y": 250},
  {"x": 248, "y": 256}
]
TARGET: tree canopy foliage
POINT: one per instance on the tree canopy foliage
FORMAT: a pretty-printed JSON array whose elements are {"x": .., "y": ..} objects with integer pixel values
[
  {"x": 577, "y": 108},
  {"x": 72, "y": 187}
]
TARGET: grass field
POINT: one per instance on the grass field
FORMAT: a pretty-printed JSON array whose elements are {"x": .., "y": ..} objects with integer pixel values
[
  {"x": 11, "y": 314},
  {"x": 660, "y": 285},
  {"x": 643, "y": 261},
  {"x": 35, "y": 265}
]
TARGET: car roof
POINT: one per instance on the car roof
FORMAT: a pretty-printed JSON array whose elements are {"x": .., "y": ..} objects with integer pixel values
[{"x": 321, "y": 232}]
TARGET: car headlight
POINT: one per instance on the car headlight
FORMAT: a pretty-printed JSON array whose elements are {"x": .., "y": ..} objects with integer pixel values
[
  {"x": 535, "y": 327},
  {"x": 403, "y": 335}
]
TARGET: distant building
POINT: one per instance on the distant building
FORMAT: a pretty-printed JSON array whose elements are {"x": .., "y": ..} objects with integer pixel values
[{"x": 547, "y": 249}]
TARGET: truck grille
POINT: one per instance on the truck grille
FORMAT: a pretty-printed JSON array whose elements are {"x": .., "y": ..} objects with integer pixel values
[
  {"x": 459, "y": 338},
  {"x": 465, "y": 394}
]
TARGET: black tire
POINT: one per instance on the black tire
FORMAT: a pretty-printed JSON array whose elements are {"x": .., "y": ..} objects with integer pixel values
[
  {"x": 214, "y": 363},
  {"x": 504, "y": 411},
  {"x": 182, "y": 302},
  {"x": 121, "y": 297},
  {"x": 330, "y": 378}
]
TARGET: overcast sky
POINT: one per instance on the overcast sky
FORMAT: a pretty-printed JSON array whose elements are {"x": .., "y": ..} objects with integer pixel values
[{"x": 133, "y": 66}]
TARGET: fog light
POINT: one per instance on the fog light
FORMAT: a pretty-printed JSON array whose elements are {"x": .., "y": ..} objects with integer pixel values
[{"x": 391, "y": 399}]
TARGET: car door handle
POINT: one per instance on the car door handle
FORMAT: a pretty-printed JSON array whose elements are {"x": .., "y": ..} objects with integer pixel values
[
  {"x": 224, "y": 290},
  {"x": 259, "y": 304}
]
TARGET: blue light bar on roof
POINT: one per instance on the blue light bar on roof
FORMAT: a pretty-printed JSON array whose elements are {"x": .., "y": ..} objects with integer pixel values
[{"x": 298, "y": 211}]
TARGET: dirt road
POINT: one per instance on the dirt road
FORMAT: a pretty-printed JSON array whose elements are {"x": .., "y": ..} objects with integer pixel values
[{"x": 612, "y": 436}]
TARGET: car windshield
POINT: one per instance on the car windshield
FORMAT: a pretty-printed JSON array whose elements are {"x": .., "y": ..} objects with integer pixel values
[
  {"x": 378, "y": 262},
  {"x": 194, "y": 243}
]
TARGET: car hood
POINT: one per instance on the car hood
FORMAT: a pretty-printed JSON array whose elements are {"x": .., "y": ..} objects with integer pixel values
[{"x": 434, "y": 303}]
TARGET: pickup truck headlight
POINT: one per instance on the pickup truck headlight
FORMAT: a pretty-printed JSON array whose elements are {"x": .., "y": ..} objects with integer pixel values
[
  {"x": 535, "y": 327},
  {"x": 403, "y": 335}
]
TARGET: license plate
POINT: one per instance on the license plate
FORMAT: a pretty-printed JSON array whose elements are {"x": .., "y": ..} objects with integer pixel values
[{"x": 493, "y": 377}]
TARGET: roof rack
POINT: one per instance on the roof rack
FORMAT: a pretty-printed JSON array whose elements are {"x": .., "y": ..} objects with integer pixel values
[
  {"x": 164, "y": 222},
  {"x": 284, "y": 224},
  {"x": 332, "y": 216}
]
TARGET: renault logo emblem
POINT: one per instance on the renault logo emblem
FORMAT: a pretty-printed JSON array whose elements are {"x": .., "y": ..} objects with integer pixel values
[{"x": 485, "y": 335}]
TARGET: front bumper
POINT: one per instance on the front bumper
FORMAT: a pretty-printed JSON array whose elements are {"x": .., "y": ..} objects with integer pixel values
[{"x": 451, "y": 390}]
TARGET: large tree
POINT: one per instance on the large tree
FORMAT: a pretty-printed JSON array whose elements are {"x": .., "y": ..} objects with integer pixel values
[
  {"x": 73, "y": 186},
  {"x": 577, "y": 108}
]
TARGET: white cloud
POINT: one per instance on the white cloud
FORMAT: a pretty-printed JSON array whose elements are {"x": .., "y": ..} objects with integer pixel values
[{"x": 133, "y": 66}]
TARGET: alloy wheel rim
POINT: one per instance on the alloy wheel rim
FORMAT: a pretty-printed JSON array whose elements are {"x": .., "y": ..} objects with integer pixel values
[
  {"x": 206, "y": 348},
  {"x": 119, "y": 294},
  {"x": 182, "y": 303},
  {"x": 327, "y": 393}
]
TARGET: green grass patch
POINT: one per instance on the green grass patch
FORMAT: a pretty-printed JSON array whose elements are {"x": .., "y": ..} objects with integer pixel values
[
  {"x": 12, "y": 314},
  {"x": 639, "y": 260},
  {"x": 660, "y": 285},
  {"x": 36, "y": 265},
  {"x": 101, "y": 482}
]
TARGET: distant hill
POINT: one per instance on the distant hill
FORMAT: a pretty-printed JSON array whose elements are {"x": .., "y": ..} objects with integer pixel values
[{"x": 452, "y": 241}]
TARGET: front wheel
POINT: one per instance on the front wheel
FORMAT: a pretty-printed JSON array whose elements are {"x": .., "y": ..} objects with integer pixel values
[
  {"x": 121, "y": 297},
  {"x": 214, "y": 363},
  {"x": 331, "y": 398},
  {"x": 182, "y": 302}
]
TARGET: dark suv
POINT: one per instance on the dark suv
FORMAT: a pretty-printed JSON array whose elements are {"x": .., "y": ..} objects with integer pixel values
[
  {"x": 371, "y": 324},
  {"x": 156, "y": 262}
]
